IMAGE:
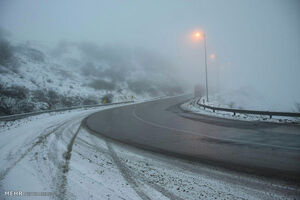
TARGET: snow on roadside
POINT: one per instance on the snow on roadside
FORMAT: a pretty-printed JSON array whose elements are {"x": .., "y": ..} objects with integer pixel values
[
  {"x": 192, "y": 106},
  {"x": 103, "y": 169},
  {"x": 250, "y": 99},
  {"x": 34, "y": 139},
  {"x": 53, "y": 153}
]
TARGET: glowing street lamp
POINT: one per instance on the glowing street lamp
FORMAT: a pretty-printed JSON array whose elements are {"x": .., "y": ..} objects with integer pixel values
[
  {"x": 212, "y": 56},
  {"x": 199, "y": 36}
]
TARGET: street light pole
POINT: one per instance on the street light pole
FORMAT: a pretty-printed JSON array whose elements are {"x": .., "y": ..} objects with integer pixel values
[
  {"x": 199, "y": 35},
  {"x": 205, "y": 60}
]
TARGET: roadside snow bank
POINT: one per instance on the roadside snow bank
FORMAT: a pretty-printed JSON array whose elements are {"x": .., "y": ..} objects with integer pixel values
[
  {"x": 52, "y": 153},
  {"x": 192, "y": 106},
  {"x": 249, "y": 99}
]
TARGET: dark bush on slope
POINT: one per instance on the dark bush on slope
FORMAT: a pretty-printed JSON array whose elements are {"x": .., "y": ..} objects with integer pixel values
[
  {"x": 90, "y": 101},
  {"x": 102, "y": 85},
  {"x": 16, "y": 92},
  {"x": 14, "y": 99},
  {"x": 70, "y": 101},
  {"x": 55, "y": 100}
]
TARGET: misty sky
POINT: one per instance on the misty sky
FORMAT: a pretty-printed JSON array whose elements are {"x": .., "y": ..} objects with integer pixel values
[{"x": 256, "y": 42}]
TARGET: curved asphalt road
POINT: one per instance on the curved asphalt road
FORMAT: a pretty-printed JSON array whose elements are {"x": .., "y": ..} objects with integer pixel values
[{"x": 262, "y": 148}]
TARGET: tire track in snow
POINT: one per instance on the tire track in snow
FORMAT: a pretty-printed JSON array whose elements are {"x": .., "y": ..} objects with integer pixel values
[
  {"x": 4, "y": 145},
  {"x": 126, "y": 173},
  {"x": 123, "y": 169},
  {"x": 41, "y": 138},
  {"x": 158, "y": 188},
  {"x": 141, "y": 178},
  {"x": 62, "y": 187}
]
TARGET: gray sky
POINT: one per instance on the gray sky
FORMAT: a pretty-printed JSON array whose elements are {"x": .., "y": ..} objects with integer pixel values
[{"x": 256, "y": 42}]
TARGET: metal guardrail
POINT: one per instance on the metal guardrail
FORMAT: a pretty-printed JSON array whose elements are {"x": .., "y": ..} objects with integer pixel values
[
  {"x": 19, "y": 116},
  {"x": 254, "y": 112}
]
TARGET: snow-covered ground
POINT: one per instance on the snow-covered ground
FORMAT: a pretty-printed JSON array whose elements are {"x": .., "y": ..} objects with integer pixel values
[
  {"x": 60, "y": 74},
  {"x": 250, "y": 99},
  {"x": 36, "y": 77},
  {"x": 235, "y": 101},
  {"x": 54, "y": 154}
]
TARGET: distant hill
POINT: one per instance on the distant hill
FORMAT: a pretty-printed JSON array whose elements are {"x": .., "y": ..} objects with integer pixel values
[{"x": 35, "y": 77}]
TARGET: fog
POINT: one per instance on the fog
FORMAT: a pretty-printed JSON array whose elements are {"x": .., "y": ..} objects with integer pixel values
[{"x": 256, "y": 43}]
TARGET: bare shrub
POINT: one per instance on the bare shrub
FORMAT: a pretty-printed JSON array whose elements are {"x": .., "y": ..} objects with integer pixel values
[
  {"x": 77, "y": 100},
  {"x": 55, "y": 100},
  {"x": 17, "y": 92},
  {"x": 102, "y": 85},
  {"x": 90, "y": 101},
  {"x": 67, "y": 101},
  {"x": 53, "y": 97},
  {"x": 14, "y": 99},
  {"x": 25, "y": 106},
  {"x": 39, "y": 96}
]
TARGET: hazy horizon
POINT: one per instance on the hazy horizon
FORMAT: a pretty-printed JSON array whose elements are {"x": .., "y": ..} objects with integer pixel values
[{"x": 256, "y": 43}]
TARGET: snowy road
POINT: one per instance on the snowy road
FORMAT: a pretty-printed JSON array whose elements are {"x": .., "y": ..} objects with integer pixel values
[
  {"x": 55, "y": 154},
  {"x": 267, "y": 149}
]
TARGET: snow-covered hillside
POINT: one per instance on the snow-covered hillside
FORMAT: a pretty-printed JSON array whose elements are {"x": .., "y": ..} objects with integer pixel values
[{"x": 35, "y": 77}]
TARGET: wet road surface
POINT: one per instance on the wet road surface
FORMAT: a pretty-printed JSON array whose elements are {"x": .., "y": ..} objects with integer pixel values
[{"x": 267, "y": 149}]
